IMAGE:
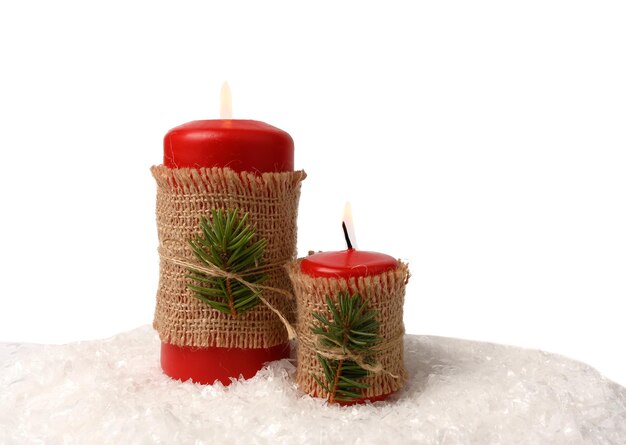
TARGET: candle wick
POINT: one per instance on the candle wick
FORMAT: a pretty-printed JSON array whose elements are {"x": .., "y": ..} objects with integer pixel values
[{"x": 345, "y": 233}]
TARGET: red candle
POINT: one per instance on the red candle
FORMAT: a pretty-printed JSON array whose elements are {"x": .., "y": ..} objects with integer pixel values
[
  {"x": 348, "y": 264},
  {"x": 242, "y": 145}
]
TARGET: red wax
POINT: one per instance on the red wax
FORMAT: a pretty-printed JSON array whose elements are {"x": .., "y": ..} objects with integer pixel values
[
  {"x": 242, "y": 145},
  {"x": 205, "y": 365},
  {"x": 347, "y": 264}
]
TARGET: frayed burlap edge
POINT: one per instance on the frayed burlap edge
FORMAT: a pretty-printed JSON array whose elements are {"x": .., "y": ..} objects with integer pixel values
[
  {"x": 183, "y": 197},
  {"x": 384, "y": 293}
]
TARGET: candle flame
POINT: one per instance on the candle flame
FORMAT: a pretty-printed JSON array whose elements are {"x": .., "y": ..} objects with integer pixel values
[
  {"x": 226, "y": 102},
  {"x": 347, "y": 220}
]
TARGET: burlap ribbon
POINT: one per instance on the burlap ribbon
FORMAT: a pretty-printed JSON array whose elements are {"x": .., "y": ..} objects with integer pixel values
[
  {"x": 183, "y": 197},
  {"x": 385, "y": 294}
]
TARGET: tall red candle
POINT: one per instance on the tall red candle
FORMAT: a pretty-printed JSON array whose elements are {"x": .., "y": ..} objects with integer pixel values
[
  {"x": 348, "y": 264},
  {"x": 242, "y": 145}
]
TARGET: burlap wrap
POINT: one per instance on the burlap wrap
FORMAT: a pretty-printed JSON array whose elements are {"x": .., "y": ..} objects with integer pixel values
[
  {"x": 384, "y": 293},
  {"x": 183, "y": 197}
]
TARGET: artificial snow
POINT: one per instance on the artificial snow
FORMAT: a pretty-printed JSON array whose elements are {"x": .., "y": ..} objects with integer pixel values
[{"x": 459, "y": 392}]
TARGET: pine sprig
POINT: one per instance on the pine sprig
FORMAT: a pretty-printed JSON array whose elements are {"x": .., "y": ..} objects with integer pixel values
[
  {"x": 227, "y": 242},
  {"x": 352, "y": 328}
]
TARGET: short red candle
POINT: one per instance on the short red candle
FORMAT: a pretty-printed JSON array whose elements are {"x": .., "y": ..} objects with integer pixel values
[
  {"x": 348, "y": 264},
  {"x": 242, "y": 145}
]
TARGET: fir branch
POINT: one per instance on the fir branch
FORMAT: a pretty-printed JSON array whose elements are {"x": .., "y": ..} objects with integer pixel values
[
  {"x": 353, "y": 328},
  {"x": 226, "y": 241}
]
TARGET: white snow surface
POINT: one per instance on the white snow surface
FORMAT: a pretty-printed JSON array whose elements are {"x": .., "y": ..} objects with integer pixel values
[{"x": 459, "y": 392}]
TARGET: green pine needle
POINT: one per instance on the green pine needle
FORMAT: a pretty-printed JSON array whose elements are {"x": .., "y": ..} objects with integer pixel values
[
  {"x": 352, "y": 327},
  {"x": 226, "y": 241}
]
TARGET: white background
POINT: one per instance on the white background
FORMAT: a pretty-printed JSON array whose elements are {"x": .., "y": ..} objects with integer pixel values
[{"x": 483, "y": 142}]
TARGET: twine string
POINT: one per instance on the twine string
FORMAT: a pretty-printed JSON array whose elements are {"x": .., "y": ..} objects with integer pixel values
[{"x": 338, "y": 353}]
